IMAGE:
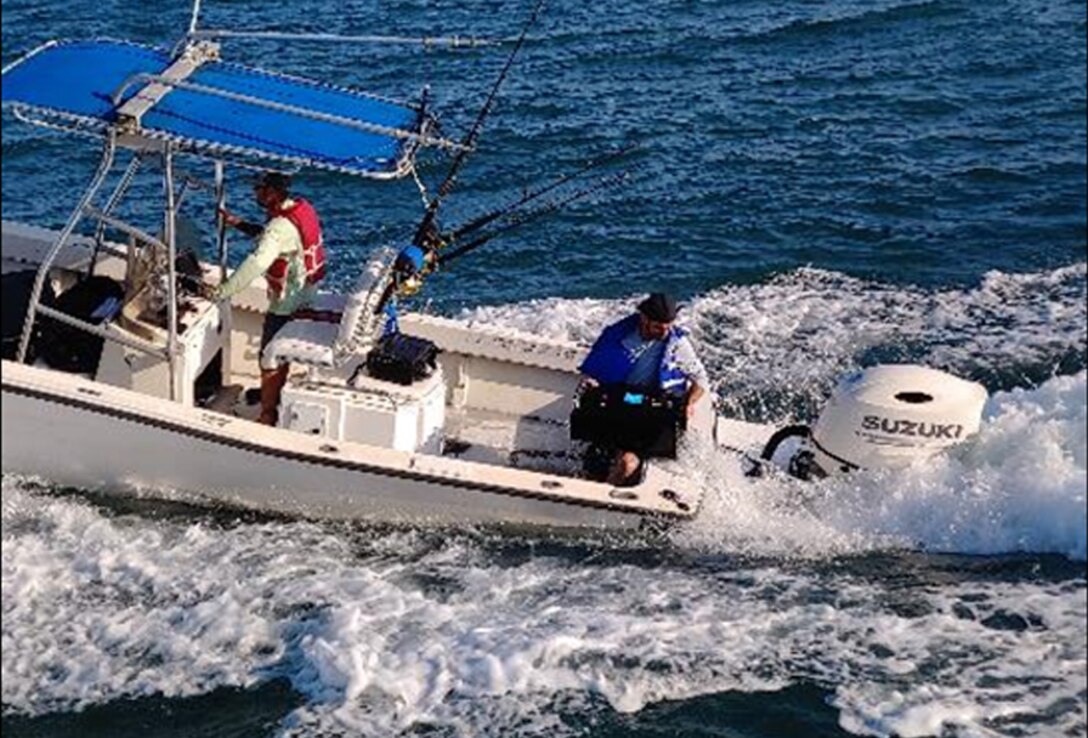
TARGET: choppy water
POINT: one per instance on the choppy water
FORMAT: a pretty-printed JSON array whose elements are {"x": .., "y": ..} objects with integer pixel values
[{"x": 826, "y": 185}]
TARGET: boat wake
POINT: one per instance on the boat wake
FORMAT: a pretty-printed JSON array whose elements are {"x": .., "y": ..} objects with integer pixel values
[
  {"x": 1019, "y": 487},
  {"x": 387, "y": 632},
  {"x": 775, "y": 350}
]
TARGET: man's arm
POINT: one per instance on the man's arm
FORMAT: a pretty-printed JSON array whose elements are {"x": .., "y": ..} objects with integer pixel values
[
  {"x": 690, "y": 364},
  {"x": 250, "y": 229},
  {"x": 268, "y": 249},
  {"x": 587, "y": 365}
]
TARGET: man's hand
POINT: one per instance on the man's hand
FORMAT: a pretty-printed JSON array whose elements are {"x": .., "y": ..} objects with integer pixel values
[
  {"x": 208, "y": 291},
  {"x": 690, "y": 409},
  {"x": 250, "y": 229},
  {"x": 694, "y": 394},
  {"x": 230, "y": 218}
]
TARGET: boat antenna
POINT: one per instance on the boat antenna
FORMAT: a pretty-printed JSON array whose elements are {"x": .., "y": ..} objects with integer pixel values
[
  {"x": 425, "y": 234},
  {"x": 195, "y": 18},
  {"x": 196, "y": 33},
  {"x": 425, "y": 41}
]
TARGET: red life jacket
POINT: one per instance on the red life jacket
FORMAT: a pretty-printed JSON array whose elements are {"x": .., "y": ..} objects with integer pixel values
[{"x": 304, "y": 218}]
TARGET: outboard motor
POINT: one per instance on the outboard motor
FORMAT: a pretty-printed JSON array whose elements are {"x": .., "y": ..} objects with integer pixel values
[{"x": 886, "y": 417}]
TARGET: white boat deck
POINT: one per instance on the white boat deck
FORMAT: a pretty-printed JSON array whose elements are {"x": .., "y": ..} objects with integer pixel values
[{"x": 501, "y": 439}]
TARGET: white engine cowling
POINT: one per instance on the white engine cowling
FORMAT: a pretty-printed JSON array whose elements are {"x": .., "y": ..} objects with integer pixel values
[{"x": 893, "y": 415}]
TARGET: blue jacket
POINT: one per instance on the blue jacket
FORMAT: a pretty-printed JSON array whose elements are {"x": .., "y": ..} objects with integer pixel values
[{"x": 609, "y": 361}]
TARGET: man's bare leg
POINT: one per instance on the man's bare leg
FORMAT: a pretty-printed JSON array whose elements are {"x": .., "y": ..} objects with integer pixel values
[
  {"x": 624, "y": 469},
  {"x": 272, "y": 381}
]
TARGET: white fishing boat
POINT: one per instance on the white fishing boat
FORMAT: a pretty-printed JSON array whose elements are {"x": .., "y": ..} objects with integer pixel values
[
  {"x": 119, "y": 375},
  {"x": 483, "y": 439}
]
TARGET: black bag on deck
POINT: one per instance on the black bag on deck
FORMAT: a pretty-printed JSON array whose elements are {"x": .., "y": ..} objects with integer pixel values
[
  {"x": 402, "y": 359},
  {"x": 618, "y": 417}
]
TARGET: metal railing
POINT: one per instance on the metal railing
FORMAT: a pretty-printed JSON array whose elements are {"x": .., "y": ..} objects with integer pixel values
[
  {"x": 95, "y": 185},
  {"x": 85, "y": 210},
  {"x": 339, "y": 120}
]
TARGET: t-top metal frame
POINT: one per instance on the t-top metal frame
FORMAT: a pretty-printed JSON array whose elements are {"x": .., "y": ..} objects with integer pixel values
[
  {"x": 105, "y": 219},
  {"x": 195, "y": 48}
]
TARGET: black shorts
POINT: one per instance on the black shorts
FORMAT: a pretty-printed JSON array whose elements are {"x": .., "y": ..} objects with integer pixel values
[{"x": 271, "y": 326}]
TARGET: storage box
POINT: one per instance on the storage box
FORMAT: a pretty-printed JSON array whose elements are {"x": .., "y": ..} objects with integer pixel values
[{"x": 372, "y": 412}]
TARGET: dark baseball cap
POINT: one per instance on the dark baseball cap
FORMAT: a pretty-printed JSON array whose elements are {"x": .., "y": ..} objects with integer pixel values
[
  {"x": 659, "y": 307},
  {"x": 275, "y": 180}
]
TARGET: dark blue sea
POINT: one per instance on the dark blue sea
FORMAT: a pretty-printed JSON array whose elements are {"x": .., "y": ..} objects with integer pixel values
[{"x": 824, "y": 185}]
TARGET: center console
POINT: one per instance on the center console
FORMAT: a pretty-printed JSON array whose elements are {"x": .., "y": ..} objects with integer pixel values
[{"x": 203, "y": 334}]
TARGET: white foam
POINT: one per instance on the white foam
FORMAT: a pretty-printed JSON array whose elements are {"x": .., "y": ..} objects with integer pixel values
[
  {"x": 1020, "y": 486},
  {"x": 98, "y": 608},
  {"x": 972, "y": 674},
  {"x": 95, "y": 608},
  {"x": 386, "y": 633}
]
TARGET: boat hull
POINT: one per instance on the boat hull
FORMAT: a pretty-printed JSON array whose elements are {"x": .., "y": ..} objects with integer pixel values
[{"x": 84, "y": 442}]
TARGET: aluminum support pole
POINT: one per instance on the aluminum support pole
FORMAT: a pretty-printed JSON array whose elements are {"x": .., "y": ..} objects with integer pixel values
[
  {"x": 115, "y": 198},
  {"x": 169, "y": 230},
  {"x": 95, "y": 185}
]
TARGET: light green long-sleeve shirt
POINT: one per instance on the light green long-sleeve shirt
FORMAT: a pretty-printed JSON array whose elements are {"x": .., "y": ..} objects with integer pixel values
[{"x": 279, "y": 238}]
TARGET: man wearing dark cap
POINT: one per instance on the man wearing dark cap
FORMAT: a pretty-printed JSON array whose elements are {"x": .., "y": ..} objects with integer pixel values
[
  {"x": 646, "y": 352},
  {"x": 290, "y": 255}
]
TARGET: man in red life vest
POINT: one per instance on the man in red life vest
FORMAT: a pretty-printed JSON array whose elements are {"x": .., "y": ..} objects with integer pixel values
[{"x": 291, "y": 256}]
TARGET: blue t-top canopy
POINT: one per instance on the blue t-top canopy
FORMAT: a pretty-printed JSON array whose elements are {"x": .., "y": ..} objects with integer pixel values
[{"x": 74, "y": 82}]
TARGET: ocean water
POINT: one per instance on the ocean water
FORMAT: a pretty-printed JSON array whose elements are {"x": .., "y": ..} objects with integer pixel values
[{"x": 825, "y": 186}]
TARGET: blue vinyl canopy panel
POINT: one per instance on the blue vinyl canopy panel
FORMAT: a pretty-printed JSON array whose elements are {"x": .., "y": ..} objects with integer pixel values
[{"x": 72, "y": 83}]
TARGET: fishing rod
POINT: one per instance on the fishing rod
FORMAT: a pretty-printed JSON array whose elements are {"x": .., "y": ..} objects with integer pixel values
[
  {"x": 426, "y": 226},
  {"x": 603, "y": 184},
  {"x": 488, "y": 218},
  {"x": 414, "y": 273}
]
